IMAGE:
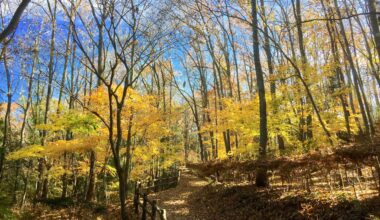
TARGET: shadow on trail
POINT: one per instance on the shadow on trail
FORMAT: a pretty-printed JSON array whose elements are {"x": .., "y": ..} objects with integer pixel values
[
  {"x": 195, "y": 198},
  {"x": 248, "y": 202},
  {"x": 177, "y": 200}
]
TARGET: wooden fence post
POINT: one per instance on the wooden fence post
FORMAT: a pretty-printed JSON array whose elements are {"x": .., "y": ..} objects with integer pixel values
[
  {"x": 178, "y": 177},
  {"x": 156, "y": 185},
  {"x": 136, "y": 198},
  {"x": 150, "y": 183},
  {"x": 163, "y": 214},
  {"x": 154, "y": 209},
  {"x": 145, "y": 200}
]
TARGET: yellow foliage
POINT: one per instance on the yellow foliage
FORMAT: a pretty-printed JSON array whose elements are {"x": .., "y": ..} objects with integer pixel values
[{"x": 33, "y": 151}]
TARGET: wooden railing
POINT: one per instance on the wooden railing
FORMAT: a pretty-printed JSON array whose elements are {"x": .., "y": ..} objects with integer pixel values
[
  {"x": 145, "y": 204},
  {"x": 160, "y": 184},
  {"x": 149, "y": 207}
]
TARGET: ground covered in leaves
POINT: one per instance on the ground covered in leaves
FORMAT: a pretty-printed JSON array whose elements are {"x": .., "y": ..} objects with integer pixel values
[
  {"x": 195, "y": 198},
  {"x": 248, "y": 202},
  {"x": 198, "y": 198},
  {"x": 72, "y": 212}
]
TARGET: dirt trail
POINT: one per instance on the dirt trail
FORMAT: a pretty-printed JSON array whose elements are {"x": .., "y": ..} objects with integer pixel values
[{"x": 179, "y": 201}]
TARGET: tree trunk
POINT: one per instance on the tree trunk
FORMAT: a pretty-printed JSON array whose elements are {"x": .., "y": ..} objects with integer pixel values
[
  {"x": 66, "y": 59},
  {"x": 14, "y": 21},
  {"x": 375, "y": 26},
  {"x": 338, "y": 71},
  {"x": 261, "y": 175},
  {"x": 346, "y": 49},
  {"x": 15, "y": 185},
  {"x": 122, "y": 196},
  {"x": 91, "y": 176},
  {"x": 267, "y": 49},
  {"x": 43, "y": 161},
  {"x": 64, "y": 177},
  {"x": 297, "y": 12},
  {"x": 7, "y": 117}
]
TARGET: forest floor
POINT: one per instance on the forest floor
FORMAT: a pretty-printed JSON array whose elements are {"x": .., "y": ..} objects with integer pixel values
[
  {"x": 199, "y": 198},
  {"x": 180, "y": 202},
  {"x": 196, "y": 198}
]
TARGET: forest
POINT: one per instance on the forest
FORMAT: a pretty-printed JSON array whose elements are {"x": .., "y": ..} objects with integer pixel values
[{"x": 189, "y": 109}]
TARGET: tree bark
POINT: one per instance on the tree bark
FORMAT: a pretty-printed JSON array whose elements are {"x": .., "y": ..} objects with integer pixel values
[
  {"x": 7, "y": 117},
  {"x": 261, "y": 175},
  {"x": 338, "y": 71},
  {"x": 347, "y": 52},
  {"x": 14, "y": 21},
  {"x": 91, "y": 176},
  {"x": 375, "y": 28}
]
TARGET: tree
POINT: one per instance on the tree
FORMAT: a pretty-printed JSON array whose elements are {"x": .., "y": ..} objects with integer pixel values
[
  {"x": 123, "y": 71},
  {"x": 14, "y": 21},
  {"x": 261, "y": 175}
]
